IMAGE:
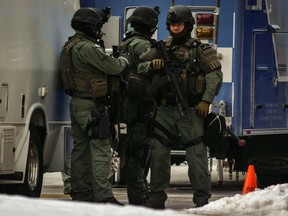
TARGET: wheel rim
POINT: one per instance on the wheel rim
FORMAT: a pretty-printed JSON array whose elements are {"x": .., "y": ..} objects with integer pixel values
[{"x": 33, "y": 167}]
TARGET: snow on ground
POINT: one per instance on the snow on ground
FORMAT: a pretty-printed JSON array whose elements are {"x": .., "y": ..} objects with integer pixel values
[{"x": 271, "y": 201}]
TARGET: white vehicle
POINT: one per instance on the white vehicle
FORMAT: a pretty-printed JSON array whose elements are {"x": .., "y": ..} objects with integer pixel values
[{"x": 34, "y": 112}]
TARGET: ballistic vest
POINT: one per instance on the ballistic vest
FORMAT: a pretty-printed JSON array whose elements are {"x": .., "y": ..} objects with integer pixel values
[
  {"x": 82, "y": 82},
  {"x": 195, "y": 59}
]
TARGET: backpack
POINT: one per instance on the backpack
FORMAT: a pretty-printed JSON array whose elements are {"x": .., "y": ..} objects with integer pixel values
[{"x": 214, "y": 130}]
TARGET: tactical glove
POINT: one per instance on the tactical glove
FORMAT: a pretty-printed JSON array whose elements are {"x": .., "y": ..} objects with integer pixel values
[
  {"x": 125, "y": 58},
  {"x": 157, "y": 64},
  {"x": 203, "y": 108}
]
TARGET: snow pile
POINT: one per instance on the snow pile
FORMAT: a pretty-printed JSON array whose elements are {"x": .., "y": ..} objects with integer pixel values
[{"x": 272, "y": 200}]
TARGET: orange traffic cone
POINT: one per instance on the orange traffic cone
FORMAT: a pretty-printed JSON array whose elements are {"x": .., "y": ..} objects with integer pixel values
[{"x": 250, "y": 183}]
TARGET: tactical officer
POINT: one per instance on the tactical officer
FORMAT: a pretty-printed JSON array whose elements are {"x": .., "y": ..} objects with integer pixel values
[
  {"x": 84, "y": 68},
  {"x": 138, "y": 104},
  {"x": 180, "y": 117}
]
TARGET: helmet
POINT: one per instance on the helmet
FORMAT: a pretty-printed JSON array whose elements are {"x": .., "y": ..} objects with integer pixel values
[
  {"x": 145, "y": 15},
  {"x": 90, "y": 20},
  {"x": 180, "y": 14},
  {"x": 90, "y": 16}
]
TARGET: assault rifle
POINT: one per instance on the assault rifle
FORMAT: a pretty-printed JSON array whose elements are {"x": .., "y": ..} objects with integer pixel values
[{"x": 172, "y": 76}]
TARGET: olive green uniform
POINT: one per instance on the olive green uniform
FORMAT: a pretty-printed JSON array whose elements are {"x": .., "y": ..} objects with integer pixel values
[
  {"x": 66, "y": 178},
  {"x": 135, "y": 115},
  {"x": 90, "y": 158},
  {"x": 172, "y": 129}
]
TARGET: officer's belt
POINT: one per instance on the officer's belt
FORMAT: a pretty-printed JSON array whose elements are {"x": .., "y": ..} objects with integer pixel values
[
  {"x": 169, "y": 102},
  {"x": 89, "y": 97},
  {"x": 173, "y": 102}
]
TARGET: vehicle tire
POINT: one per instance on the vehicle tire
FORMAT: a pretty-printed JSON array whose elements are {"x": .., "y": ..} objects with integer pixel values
[
  {"x": 32, "y": 185},
  {"x": 270, "y": 170}
]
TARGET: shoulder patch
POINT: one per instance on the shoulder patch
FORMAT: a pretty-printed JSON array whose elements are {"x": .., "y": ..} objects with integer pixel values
[
  {"x": 205, "y": 46},
  {"x": 208, "y": 58}
]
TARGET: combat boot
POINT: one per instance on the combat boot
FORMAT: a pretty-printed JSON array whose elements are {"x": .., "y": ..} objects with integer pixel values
[
  {"x": 83, "y": 196},
  {"x": 111, "y": 200},
  {"x": 154, "y": 205},
  {"x": 140, "y": 202},
  {"x": 198, "y": 205}
]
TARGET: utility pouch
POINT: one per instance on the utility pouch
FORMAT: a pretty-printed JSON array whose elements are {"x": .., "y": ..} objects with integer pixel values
[
  {"x": 99, "y": 125},
  {"x": 98, "y": 87},
  {"x": 200, "y": 84},
  {"x": 135, "y": 86},
  {"x": 197, "y": 84},
  {"x": 114, "y": 82}
]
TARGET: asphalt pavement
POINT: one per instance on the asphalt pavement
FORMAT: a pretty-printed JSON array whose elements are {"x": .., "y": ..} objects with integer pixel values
[{"x": 179, "y": 191}]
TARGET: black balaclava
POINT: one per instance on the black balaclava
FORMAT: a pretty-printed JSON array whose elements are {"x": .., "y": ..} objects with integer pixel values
[
  {"x": 182, "y": 37},
  {"x": 87, "y": 29},
  {"x": 146, "y": 30}
]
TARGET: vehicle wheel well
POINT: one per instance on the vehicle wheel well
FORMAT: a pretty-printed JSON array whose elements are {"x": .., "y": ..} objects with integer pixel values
[{"x": 38, "y": 123}]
